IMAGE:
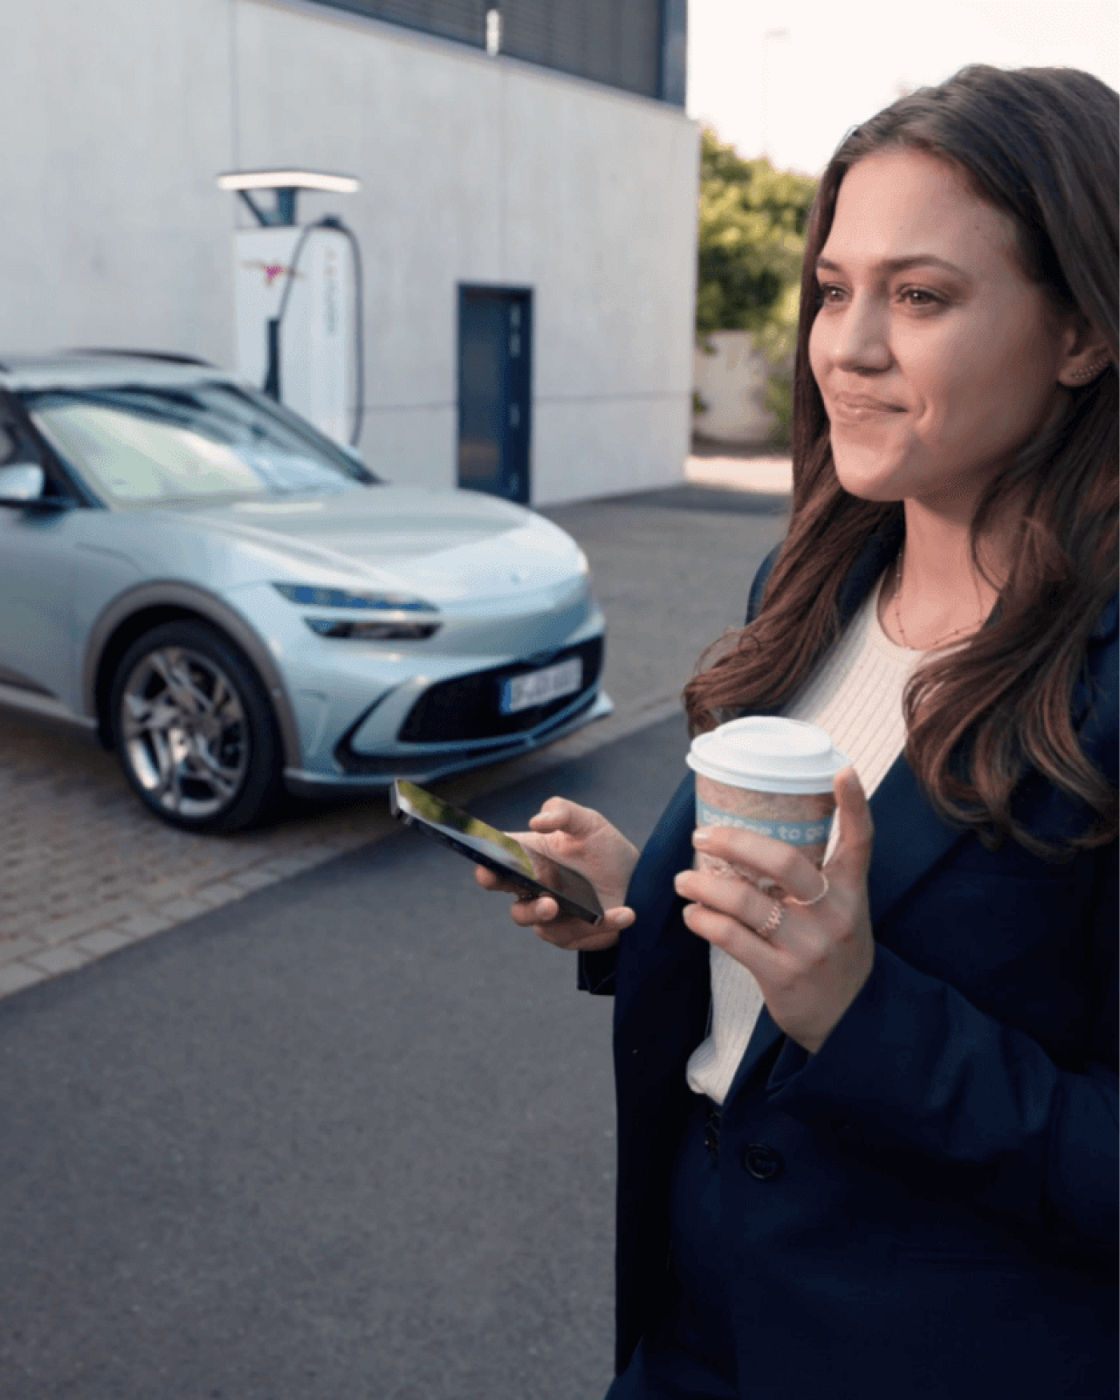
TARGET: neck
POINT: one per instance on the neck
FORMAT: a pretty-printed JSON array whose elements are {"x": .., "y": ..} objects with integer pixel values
[{"x": 938, "y": 596}]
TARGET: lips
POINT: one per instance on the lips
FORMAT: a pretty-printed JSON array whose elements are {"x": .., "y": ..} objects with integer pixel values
[{"x": 860, "y": 408}]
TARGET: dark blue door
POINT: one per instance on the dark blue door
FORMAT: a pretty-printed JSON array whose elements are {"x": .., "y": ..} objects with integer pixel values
[{"x": 494, "y": 390}]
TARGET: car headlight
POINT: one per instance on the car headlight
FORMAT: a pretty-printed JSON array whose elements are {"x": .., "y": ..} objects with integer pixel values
[
  {"x": 401, "y": 616},
  {"x": 312, "y": 596}
]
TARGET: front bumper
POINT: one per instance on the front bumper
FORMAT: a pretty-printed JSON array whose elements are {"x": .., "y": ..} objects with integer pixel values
[
  {"x": 429, "y": 762},
  {"x": 365, "y": 712}
]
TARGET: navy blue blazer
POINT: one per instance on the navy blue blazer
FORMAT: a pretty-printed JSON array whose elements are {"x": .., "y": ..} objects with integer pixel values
[{"x": 938, "y": 1211}]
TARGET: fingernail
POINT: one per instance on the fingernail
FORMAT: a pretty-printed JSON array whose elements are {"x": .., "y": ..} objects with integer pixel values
[
  {"x": 680, "y": 880},
  {"x": 701, "y": 835}
]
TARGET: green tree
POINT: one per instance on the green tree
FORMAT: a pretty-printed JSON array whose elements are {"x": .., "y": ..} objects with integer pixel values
[{"x": 751, "y": 241}]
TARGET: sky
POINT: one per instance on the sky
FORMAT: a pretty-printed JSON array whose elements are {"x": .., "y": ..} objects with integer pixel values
[{"x": 787, "y": 78}]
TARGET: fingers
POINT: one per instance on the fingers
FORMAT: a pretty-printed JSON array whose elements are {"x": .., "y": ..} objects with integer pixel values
[
  {"x": 489, "y": 880},
  {"x": 528, "y": 912},
  {"x": 576, "y": 936},
  {"x": 559, "y": 814},
  {"x": 728, "y": 895},
  {"x": 544, "y": 915},
  {"x": 615, "y": 920},
  {"x": 747, "y": 947},
  {"x": 584, "y": 940},
  {"x": 857, "y": 832},
  {"x": 763, "y": 857}
]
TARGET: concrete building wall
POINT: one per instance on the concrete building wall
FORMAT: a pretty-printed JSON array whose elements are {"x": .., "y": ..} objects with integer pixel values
[
  {"x": 116, "y": 118},
  {"x": 474, "y": 170}
]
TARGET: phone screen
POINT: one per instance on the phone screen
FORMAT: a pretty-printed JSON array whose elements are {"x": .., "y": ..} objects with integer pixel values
[{"x": 486, "y": 845}]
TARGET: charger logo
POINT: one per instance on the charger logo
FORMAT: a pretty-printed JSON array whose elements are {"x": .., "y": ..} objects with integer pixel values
[{"x": 273, "y": 270}]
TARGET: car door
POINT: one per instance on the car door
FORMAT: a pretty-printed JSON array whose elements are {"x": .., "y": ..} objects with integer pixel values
[{"x": 38, "y": 650}]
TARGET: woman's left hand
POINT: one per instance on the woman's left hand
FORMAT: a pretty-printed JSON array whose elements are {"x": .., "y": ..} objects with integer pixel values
[{"x": 810, "y": 959}]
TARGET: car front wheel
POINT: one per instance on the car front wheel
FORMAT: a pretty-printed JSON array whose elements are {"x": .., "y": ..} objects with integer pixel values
[{"x": 194, "y": 730}]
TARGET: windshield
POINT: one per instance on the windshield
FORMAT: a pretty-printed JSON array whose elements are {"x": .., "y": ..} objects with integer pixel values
[{"x": 146, "y": 444}]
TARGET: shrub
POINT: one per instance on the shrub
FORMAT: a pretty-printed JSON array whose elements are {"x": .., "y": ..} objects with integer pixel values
[{"x": 751, "y": 241}]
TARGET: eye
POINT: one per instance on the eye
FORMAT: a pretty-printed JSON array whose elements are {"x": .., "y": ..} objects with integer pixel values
[
  {"x": 829, "y": 293},
  {"x": 920, "y": 298}
]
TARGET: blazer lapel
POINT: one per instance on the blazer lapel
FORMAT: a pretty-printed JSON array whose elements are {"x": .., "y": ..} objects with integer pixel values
[{"x": 910, "y": 838}]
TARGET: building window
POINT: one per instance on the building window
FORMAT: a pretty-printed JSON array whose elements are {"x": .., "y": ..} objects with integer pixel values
[
  {"x": 617, "y": 42},
  {"x": 636, "y": 45},
  {"x": 464, "y": 20}
]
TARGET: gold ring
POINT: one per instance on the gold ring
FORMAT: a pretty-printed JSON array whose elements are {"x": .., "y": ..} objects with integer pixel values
[
  {"x": 773, "y": 920},
  {"x": 808, "y": 903}
]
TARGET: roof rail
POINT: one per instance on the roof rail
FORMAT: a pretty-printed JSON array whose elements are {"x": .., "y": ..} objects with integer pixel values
[{"x": 168, "y": 356}]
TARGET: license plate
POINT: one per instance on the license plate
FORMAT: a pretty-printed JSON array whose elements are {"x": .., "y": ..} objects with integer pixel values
[{"x": 539, "y": 687}]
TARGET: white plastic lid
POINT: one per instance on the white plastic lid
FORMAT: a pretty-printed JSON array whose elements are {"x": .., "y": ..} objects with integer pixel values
[{"x": 768, "y": 753}]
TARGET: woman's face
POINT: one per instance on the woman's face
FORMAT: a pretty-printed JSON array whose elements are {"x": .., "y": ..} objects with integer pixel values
[{"x": 936, "y": 356}]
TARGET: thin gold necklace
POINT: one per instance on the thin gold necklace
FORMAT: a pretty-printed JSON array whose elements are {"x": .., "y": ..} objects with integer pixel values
[{"x": 897, "y": 613}]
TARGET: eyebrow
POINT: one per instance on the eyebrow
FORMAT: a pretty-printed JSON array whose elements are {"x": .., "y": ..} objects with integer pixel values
[{"x": 902, "y": 264}]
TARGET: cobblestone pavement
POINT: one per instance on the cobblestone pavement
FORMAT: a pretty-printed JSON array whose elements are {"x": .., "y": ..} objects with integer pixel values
[{"x": 84, "y": 870}]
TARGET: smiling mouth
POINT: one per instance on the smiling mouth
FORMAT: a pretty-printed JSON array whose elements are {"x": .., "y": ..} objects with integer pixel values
[{"x": 858, "y": 408}]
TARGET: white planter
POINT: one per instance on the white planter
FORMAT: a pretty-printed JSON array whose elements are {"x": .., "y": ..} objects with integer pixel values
[{"x": 730, "y": 379}]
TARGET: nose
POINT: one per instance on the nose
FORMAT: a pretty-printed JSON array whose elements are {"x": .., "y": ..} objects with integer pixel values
[{"x": 857, "y": 337}]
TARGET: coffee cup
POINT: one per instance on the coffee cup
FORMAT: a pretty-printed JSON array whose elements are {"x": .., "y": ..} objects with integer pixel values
[{"x": 769, "y": 775}]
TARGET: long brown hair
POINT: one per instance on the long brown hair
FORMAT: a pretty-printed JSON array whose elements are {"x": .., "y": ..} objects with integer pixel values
[{"x": 1041, "y": 145}]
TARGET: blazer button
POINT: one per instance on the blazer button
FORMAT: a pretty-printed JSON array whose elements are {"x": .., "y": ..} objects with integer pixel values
[{"x": 763, "y": 1163}]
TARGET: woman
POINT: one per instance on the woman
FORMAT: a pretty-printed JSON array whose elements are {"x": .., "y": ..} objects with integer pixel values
[{"x": 898, "y": 1177}]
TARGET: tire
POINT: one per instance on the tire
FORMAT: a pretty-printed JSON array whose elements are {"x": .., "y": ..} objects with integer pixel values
[{"x": 194, "y": 731}]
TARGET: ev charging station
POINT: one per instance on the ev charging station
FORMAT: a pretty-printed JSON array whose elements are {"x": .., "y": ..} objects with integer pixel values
[{"x": 298, "y": 300}]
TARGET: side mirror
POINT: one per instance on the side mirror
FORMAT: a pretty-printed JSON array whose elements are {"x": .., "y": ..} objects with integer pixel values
[
  {"x": 23, "y": 483},
  {"x": 356, "y": 457}
]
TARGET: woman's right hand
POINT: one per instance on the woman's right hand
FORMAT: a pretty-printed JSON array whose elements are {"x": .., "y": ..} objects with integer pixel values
[{"x": 583, "y": 839}]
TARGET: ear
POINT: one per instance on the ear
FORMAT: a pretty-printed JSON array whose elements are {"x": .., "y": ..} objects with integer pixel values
[{"x": 1085, "y": 354}]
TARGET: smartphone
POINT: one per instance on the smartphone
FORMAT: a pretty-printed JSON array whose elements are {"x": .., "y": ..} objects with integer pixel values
[{"x": 486, "y": 845}]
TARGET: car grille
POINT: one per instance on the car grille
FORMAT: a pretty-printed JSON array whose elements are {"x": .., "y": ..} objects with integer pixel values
[{"x": 466, "y": 707}]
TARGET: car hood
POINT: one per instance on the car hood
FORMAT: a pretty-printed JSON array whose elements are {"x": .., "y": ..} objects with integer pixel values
[{"x": 443, "y": 545}]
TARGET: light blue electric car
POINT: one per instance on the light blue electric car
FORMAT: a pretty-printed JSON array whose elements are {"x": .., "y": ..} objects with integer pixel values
[{"x": 237, "y": 604}]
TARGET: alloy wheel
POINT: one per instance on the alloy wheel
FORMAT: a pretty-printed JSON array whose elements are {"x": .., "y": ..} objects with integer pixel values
[{"x": 184, "y": 732}]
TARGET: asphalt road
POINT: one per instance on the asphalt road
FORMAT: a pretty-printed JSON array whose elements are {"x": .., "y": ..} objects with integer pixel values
[{"x": 350, "y": 1137}]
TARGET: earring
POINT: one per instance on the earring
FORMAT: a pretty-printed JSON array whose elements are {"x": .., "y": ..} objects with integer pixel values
[{"x": 1083, "y": 376}]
